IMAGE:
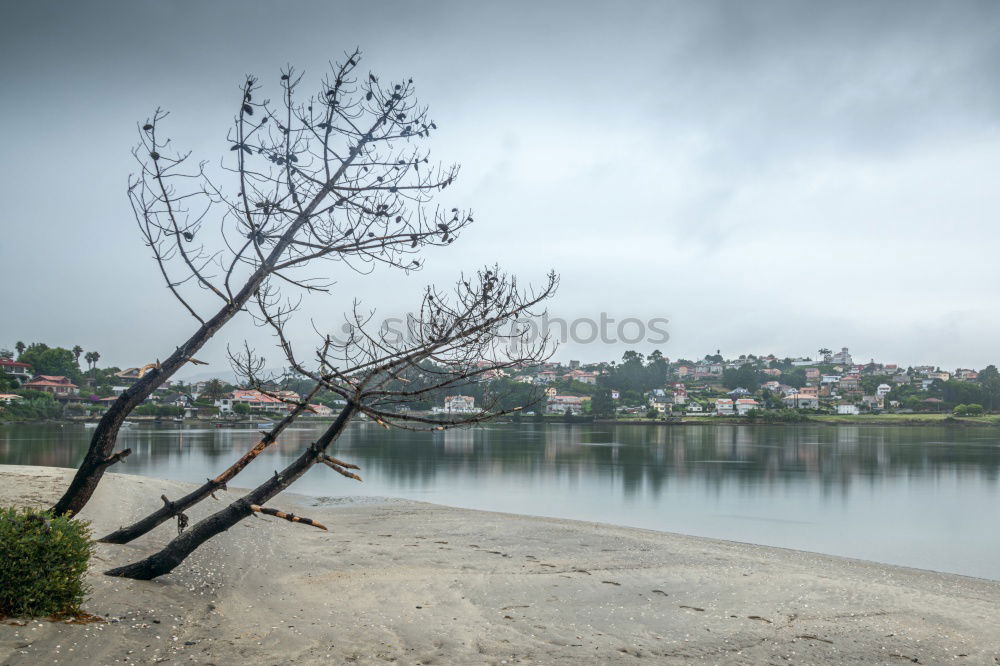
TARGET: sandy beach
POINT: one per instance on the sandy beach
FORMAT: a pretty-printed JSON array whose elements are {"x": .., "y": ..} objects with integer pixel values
[{"x": 412, "y": 583}]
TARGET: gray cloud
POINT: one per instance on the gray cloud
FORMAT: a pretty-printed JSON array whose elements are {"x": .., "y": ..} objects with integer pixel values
[{"x": 771, "y": 176}]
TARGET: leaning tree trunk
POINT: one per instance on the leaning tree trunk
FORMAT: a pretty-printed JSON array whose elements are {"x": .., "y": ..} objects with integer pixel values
[
  {"x": 89, "y": 474},
  {"x": 101, "y": 444},
  {"x": 177, "y": 508},
  {"x": 187, "y": 542}
]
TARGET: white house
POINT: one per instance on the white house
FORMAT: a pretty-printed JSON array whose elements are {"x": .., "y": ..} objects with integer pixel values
[
  {"x": 801, "y": 401},
  {"x": 744, "y": 405},
  {"x": 724, "y": 407},
  {"x": 459, "y": 404},
  {"x": 848, "y": 410},
  {"x": 566, "y": 404},
  {"x": 695, "y": 409},
  {"x": 882, "y": 390},
  {"x": 20, "y": 371},
  {"x": 660, "y": 404}
]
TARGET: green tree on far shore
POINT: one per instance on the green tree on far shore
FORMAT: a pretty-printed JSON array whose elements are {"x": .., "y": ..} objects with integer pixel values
[{"x": 47, "y": 360}]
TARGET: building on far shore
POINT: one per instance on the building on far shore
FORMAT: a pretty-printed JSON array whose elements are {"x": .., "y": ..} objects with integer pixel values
[
  {"x": 57, "y": 385},
  {"x": 459, "y": 404},
  {"x": 566, "y": 404},
  {"x": 801, "y": 401},
  {"x": 258, "y": 400},
  {"x": 20, "y": 371}
]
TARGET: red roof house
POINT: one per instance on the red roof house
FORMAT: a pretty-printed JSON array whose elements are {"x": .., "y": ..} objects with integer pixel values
[{"x": 57, "y": 385}]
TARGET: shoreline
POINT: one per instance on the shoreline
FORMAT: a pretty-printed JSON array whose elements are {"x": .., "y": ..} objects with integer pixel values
[
  {"x": 395, "y": 580},
  {"x": 884, "y": 420}
]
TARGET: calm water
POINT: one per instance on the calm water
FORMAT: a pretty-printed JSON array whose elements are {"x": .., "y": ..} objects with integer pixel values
[{"x": 926, "y": 497}]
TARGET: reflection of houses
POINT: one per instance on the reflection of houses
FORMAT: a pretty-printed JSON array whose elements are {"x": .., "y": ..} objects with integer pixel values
[
  {"x": 459, "y": 440},
  {"x": 565, "y": 404},
  {"x": 57, "y": 385},
  {"x": 459, "y": 404},
  {"x": 20, "y": 371}
]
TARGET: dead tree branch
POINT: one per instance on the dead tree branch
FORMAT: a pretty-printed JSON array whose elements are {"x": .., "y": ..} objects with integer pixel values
[
  {"x": 291, "y": 517},
  {"x": 336, "y": 176},
  {"x": 457, "y": 338}
]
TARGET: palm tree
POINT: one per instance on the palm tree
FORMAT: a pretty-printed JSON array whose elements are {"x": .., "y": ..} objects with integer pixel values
[
  {"x": 214, "y": 390},
  {"x": 91, "y": 358},
  {"x": 77, "y": 350},
  {"x": 20, "y": 347}
]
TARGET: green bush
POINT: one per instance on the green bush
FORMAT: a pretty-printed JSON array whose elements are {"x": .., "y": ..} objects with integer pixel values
[
  {"x": 43, "y": 561},
  {"x": 39, "y": 408},
  {"x": 777, "y": 416}
]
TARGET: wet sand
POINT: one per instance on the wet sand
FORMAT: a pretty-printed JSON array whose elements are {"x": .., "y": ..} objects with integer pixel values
[{"x": 413, "y": 583}]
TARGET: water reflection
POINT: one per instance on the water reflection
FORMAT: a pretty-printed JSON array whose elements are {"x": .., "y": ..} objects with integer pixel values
[{"x": 922, "y": 496}]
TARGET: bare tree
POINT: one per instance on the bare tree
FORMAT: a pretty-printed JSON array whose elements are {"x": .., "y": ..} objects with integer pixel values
[
  {"x": 176, "y": 508},
  {"x": 336, "y": 176},
  {"x": 456, "y": 339}
]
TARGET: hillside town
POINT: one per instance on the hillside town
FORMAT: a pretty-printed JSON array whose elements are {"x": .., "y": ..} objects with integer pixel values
[{"x": 44, "y": 382}]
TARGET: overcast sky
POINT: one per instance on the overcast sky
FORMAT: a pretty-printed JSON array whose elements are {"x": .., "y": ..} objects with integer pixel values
[{"x": 769, "y": 176}]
